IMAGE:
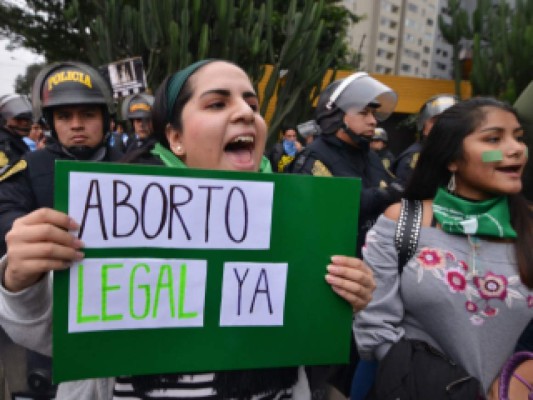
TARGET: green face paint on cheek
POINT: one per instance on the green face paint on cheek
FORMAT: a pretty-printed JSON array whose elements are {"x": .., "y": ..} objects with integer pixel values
[{"x": 492, "y": 156}]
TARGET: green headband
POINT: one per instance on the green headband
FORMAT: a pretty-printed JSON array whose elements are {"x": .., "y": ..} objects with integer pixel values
[{"x": 176, "y": 83}]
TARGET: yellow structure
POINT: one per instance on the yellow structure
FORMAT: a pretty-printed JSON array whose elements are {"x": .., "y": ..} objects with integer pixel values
[{"x": 412, "y": 92}]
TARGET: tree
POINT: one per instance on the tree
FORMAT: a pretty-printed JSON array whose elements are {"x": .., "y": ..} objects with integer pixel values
[
  {"x": 502, "y": 48},
  {"x": 23, "y": 83},
  {"x": 453, "y": 33},
  {"x": 42, "y": 27},
  {"x": 337, "y": 20},
  {"x": 170, "y": 34}
]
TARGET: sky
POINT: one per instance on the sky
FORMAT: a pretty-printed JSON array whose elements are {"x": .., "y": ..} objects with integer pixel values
[{"x": 12, "y": 64}]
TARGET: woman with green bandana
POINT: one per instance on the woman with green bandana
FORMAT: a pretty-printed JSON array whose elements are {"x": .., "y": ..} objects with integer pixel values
[
  {"x": 466, "y": 289},
  {"x": 205, "y": 116}
]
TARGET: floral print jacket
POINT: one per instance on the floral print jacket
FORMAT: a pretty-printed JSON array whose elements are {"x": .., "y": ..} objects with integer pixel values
[{"x": 461, "y": 295}]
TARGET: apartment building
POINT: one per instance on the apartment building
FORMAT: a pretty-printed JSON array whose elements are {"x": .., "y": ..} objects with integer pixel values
[{"x": 402, "y": 37}]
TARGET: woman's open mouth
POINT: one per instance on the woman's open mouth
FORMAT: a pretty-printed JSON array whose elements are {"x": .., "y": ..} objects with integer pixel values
[
  {"x": 240, "y": 151},
  {"x": 511, "y": 170}
]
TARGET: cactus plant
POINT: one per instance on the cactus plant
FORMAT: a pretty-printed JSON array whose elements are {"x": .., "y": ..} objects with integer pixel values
[{"x": 171, "y": 34}]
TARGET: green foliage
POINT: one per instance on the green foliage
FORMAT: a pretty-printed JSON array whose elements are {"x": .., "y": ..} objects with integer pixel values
[
  {"x": 454, "y": 32},
  {"x": 502, "y": 45},
  {"x": 302, "y": 38},
  {"x": 304, "y": 66},
  {"x": 23, "y": 83},
  {"x": 337, "y": 20},
  {"x": 502, "y": 48}
]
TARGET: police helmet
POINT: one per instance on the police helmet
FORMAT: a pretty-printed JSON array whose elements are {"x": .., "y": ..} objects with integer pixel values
[
  {"x": 14, "y": 106},
  {"x": 353, "y": 94},
  {"x": 380, "y": 134},
  {"x": 70, "y": 83},
  {"x": 434, "y": 106},
  {"x": 137, "y": 106}
]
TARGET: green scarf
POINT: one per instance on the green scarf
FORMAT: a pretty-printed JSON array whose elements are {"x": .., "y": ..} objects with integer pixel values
[
  {"x": 479, "y": 218},
  {"x": 171, "y": 160}
]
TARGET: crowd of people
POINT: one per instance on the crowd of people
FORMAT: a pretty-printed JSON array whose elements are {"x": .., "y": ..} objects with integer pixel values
[{"x": 442, "y": 264}]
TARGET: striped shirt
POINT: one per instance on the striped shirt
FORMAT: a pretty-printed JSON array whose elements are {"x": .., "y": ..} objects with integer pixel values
[{"x": 197, "y": 387}]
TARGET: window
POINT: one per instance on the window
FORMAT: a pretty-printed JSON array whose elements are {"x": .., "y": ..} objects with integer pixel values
[
  {"x": 426, "y": 50},
  {"x": 388, "y": 22},
  {"x": 429, "y": 22},
  {"x": 383, "y": 37},
  {"x": 412, "y": 7},
  {"x": 406, "y": 68},
  {"x": 388, "y": 6},
  {"x": 410, "y": 23},
  {"x": 412, "y": 54},
  {"x": 440, "y": 66},
  {"x": 380, "y": 69}
]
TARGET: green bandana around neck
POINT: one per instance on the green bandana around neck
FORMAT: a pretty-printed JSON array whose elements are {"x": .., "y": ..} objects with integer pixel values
[
  {"x": 168, "y": 157},
  {"x": 171, "y": 160},
  {"x": 480, "y": 218}
]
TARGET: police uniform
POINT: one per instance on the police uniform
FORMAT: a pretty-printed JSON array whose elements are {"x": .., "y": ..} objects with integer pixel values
[
  {"x": 29, "y": 184},
  {"x": 404, "y": 165},
  {"x": 328, "y": 155},
  {"x": 387, "y": 158},
  {"x": 406, "y": 162},
  {"x": 137, "y": 106},
  {"x": 12, "y": 147}
]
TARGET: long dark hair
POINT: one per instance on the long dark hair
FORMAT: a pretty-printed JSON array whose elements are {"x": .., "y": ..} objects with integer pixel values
[{"x": 445, "y": 145}]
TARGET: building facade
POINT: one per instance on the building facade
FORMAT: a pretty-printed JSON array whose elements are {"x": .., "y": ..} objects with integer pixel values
[{"x": 402, "y": 37}]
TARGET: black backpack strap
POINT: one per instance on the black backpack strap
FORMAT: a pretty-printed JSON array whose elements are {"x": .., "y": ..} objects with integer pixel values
[{"x": 408, "y": 231}]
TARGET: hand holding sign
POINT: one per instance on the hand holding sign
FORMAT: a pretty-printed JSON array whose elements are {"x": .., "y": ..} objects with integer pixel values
[
  {"x": 38, "y": 243},
  {"x": 351, "y": 279}
]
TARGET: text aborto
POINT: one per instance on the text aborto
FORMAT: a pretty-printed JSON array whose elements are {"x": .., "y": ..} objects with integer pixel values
[{"x": 119, "y": 210}]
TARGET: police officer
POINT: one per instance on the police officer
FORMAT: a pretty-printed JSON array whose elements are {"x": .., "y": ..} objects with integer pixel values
[
  {"x": 77, "y": 104},
  {"x": 347, "y": 113},
  {"x": 15, "y": 124},
  {"x": 137, "y": 108},
  {"x": 405, "y": 163},
  {"x": 379, "y": 144}
]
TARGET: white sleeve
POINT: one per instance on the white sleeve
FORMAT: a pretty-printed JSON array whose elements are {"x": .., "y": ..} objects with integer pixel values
[{"x": 26, "y": 316}]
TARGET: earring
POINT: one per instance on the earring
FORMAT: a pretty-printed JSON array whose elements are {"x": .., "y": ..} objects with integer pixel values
[
  {"x": 451, "y": 184},
  {"x": 177, "y": 149}
]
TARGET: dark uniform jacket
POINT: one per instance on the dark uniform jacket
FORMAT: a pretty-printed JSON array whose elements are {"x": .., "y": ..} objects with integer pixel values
[
  {"x": 404, "y": 165},
  {"x": 29, "y": 183},
  {"x": 387, "y": 158},
  {"x": 327, "y": 155},
  {"x": 12, "y": 147}
]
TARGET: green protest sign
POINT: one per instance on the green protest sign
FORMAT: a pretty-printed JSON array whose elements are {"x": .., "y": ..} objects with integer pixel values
[{"x": 191, "y": 270}]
